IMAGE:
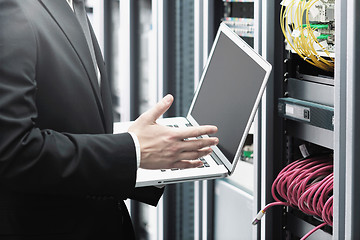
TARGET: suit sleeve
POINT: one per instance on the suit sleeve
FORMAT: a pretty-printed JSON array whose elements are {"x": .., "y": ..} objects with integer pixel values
[
  {"x": 148, "y": 195},
  {"x": 42, "y": 160}
]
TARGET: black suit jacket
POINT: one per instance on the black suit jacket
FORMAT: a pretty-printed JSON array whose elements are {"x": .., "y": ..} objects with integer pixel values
[{"x": 63, "y": 175}]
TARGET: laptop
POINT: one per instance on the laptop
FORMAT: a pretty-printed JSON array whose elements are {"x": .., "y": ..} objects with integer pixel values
[{"x": 228, "y": 96}]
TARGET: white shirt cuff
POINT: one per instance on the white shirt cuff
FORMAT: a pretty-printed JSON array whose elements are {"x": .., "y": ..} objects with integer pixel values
[{"x": 137, "y": 148}]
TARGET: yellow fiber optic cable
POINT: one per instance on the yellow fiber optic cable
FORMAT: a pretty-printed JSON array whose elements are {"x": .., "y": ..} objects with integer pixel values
[{"x": 301, "y": 37}]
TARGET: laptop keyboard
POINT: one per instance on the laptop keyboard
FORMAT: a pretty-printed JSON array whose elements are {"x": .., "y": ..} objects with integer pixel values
[{"x": 205, "y": 163}]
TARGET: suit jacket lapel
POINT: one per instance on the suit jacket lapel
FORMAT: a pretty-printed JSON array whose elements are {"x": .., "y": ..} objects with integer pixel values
[
  {"x": 67, "y": 21},
  {"x": 105, "y": 87}
]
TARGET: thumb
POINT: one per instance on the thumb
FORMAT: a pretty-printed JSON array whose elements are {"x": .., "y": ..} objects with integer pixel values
[{"x": 159, "y": 109}]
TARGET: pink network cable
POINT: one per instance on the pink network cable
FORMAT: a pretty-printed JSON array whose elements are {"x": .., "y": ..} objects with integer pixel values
[{"x": 306, "y": 184}]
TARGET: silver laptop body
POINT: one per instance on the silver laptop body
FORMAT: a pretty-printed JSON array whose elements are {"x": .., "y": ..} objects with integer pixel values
[{"x": 228, "y": 96}]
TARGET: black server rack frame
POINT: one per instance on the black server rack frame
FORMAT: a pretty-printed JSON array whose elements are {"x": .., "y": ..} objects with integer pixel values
[
  {"x": 291, "y": 72},
  {"x": 300, "y": 135}
]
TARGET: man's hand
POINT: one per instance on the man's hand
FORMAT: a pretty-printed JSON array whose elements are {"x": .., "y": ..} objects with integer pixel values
[{"x": 164, "y": 147}]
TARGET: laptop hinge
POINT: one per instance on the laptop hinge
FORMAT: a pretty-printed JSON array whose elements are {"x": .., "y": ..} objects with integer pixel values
[{"x": 216, "y": 158}]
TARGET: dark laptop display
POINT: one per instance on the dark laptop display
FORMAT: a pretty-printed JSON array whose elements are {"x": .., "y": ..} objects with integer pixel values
[{"x": 231, "y": 72}]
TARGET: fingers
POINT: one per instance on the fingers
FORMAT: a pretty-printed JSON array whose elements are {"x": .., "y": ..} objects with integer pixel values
[
  {"x": 191, "y": 132},
  {"x": 187, "y": 164},
  {"x": 194, "y": 155},
  {"x": 159, "y": 109},
  {"x": 198, "y": 144}
]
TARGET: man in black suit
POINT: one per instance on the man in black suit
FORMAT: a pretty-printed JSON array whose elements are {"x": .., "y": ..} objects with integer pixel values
[{"x": 63, "y": 174}]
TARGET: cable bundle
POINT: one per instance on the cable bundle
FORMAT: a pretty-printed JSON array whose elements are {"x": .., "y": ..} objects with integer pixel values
[
  {"x": 303, "y": 36},
  {"x": 306, "y": 184}
]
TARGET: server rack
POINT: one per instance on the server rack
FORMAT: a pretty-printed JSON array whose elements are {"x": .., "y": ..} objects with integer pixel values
[
  {"x": 292, "y": 79},
  {"x": 278, "y": 136},
  {"x": 337, "y": 91}
]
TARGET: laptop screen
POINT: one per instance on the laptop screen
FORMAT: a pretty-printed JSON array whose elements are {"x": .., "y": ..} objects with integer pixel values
[{"x": 226, "y": 98}]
